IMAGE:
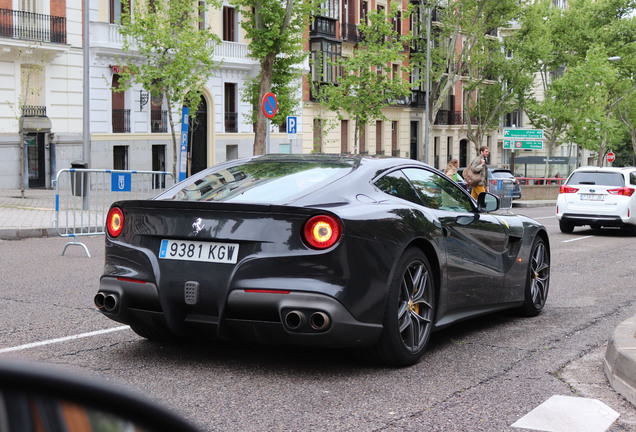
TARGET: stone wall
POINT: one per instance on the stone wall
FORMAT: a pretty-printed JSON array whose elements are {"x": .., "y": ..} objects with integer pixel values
[{"x": 539, "y": 192}]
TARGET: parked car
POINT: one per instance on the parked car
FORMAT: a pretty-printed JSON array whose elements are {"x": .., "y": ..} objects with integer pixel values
[
  {"x": 598, "y": 197},
  {"x": 501, "y": 173},
  {"x": 319, "y": 250}
]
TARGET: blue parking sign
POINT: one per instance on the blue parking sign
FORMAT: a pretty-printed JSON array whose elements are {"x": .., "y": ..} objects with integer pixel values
[
  {"x": 292, "y": 124},
  {"x": 121, "y": 182}
]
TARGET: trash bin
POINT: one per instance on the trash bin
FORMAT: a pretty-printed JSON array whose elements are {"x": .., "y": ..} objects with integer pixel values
[{"x": 79, "y": 180}]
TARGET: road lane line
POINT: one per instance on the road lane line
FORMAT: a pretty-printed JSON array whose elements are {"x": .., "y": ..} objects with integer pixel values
[
  {"x": 63, "y": 339},
  {"x": 577, "y": 239},
  {"x": 544, "y": 217}
]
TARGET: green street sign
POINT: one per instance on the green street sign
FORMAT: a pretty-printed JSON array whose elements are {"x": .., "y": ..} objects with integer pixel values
[
  {"x": 522, "y": 144},
  {"x": 528, "y": 134}
]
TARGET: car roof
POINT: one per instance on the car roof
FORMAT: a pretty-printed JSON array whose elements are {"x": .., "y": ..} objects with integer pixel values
[{"x": 604, "y": 169}]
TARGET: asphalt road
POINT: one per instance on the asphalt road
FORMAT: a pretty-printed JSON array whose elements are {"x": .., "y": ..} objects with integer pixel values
[{"x": 481, "y": 375}]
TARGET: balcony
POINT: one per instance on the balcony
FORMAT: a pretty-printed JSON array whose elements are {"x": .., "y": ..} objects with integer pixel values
[
  {"x": 231, "y": 122},
  {"x": 33, "y": 111},
  {"x": 121, "y": 120},
  {"x": 158, "y": 121},
  {"x": 32, "y": 27},
  {"x": 448, "y": 117},
  {"x": 350, "y": 33},
  {"x": 321, "y": 26}
]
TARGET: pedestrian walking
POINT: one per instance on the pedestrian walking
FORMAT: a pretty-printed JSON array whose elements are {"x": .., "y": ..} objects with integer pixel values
[
  {"x": 451, "y": 169},
  {"x": 479, "y": 165}
]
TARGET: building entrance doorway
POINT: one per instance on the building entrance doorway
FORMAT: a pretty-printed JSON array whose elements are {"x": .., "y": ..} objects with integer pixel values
[
  {"x": 199, "y": 138},
  {"x": 36, "y": 160}
]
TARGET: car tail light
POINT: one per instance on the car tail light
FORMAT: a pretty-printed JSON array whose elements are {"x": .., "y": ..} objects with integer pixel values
[
  {"x": 625, "y": 191},
  {"x": 115, "y": 221},
  {"x": 322, "y": 231},
  {"x": 568, "y": 189},
  {"x": 493, "y": 182}
]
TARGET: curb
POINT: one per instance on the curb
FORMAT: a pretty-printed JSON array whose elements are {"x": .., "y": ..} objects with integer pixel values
[
  {"x": 619, "y": 363},
  {"x": 22, "y": 233}
]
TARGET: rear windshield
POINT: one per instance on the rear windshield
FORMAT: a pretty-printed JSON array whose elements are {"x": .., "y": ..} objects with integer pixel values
[
  {"x": 596, "y": 178},
  {"x": 501, "y": 174},
  {"x": 259, "y": 181}
]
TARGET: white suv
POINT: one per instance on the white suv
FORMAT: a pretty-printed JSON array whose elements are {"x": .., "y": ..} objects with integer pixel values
[{"x": 599, "y": 197}]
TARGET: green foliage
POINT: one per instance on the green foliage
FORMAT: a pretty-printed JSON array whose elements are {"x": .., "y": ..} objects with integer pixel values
[
  {"x": 366, "y": 84},
  {"x": 580, "y": 89},
  {"x": 275, "y": 29},
  {"x": 170, "y": 54}
]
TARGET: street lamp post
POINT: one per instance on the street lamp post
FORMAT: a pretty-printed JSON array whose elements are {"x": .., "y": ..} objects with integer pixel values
[{"x": 427, "y": 125}]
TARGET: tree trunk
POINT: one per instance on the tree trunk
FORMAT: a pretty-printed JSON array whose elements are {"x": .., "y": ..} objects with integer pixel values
[
  {"x": 260, "y": 135},
  {"x": 175, "y": 146}
]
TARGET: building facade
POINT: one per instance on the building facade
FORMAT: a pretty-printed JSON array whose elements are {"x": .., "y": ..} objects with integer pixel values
[{"x": 40, "y": 90}]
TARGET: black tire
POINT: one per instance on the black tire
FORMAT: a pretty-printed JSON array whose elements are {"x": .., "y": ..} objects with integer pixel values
[
  {"x": 566, "y": 227},
  {"x": 409, "y": 313},
  {"x": 537, "y": 280}
]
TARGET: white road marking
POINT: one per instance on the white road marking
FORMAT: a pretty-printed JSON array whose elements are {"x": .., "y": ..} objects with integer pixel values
[
  {"x": 544, "y": 217},
  {"x": 63, "y": 339},
  {"x": 577, "y": 239},
  {"x": 569, "y": 413}
]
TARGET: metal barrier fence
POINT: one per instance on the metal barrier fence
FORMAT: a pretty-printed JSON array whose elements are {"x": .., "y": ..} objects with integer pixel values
[
  {"x": 83, "y": 197},
  {"x": 503, "y": 189}
]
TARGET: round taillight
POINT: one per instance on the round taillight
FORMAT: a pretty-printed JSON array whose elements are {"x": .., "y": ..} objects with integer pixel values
[
  {"x": 322, "y": 231},
  {"x": 115, "y": 221}
]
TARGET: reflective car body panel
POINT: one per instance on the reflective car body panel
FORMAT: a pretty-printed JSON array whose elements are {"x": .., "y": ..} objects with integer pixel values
[{"x": 278, "y": 282}]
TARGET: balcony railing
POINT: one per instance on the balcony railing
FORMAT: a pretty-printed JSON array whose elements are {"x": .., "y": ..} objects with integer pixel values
[
  {"x": 351, "y": 33},
  {"x": 158, "y": 121},
  {"x": 31, "y": 26},
  {"x": 231, "y": 123},
  {"x": 33, "y": 111},
  {"x": 121, "y": 120}
]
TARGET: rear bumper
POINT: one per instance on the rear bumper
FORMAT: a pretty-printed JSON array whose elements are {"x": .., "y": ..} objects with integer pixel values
[
  {"x": 592, "y": 219},
  {"x": 297, "y": 318}
]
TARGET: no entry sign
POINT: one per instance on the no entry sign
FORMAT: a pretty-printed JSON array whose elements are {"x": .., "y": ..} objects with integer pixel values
[
  {"x": 611, "y": 157},
  {"x": 269, "y": 105}
]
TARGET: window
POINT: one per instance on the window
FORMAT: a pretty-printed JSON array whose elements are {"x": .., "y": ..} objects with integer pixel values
[
  {"x": 159, "y": 164},
  {"x": 379, "y": 142},
  {"x": 120, "y": 157},
  {"x": 398, "y": 185},
  {"x": 324, "y": 54},
  {"x": 202, "y": 15},
  {"x": 120, "y": 115},
  {"x": 318, "y": 135},
  {"x": 231, "y": 116},
  {"x": 364, "y": 11},
  {"x": 344, "y": 136},
  {"x": 32, "y": 85},
  {"x": 395, "y": 146},
  {"x": 229, "y": 24},
  {"x": 117, "y": 10},
  {"x": 436, "y": 192}
]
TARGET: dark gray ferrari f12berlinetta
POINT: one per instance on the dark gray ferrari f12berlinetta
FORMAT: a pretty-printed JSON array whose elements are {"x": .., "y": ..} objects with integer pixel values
[{"x": 322, "y": 250}]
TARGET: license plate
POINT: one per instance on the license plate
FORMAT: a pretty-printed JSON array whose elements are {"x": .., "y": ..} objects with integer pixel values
[
  {"x": 187, "y": 250},
  {"x": 592, "y": 197}
]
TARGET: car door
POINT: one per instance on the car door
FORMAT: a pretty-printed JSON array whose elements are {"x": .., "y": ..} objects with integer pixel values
[{"x": 475, "y": 243}]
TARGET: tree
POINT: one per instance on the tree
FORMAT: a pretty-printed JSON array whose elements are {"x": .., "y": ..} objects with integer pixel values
[
  {"x": 171, "y": 54},
  {"x": 461, "y": 31},
  {"x": 366, "y": 85},
  {"x": 577, "y": 86},
  {"x": 494, "y": 86},
  {"x": 275, "y": 29}
]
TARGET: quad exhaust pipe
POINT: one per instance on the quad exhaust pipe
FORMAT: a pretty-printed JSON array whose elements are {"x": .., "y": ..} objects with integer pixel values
[
  {"x": 319, "y": 321},
  {"x": 296, "y": 320},
  {"x": 106, "y": 301}
]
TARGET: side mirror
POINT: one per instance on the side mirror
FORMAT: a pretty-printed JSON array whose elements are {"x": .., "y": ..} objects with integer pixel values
[
  {"x": 487, "y": 202},
  {"x": 56, "y": 399}
]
